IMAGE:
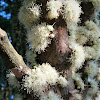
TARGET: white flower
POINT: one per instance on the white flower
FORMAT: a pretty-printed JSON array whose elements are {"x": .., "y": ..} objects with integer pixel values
[
  {"x": 53, "y": 8},
  {"x": 78, "y": 56},
  {"x": 78, "y": 96},
  {"x": 28, "y": 15},
  {"x": 38, "y": 36},
  {"x": 81, "y": 35},
  {"x": 78, "y": 34},
  {"x": 27, "y": 84},
  {"x": 94, "y": 87},
  {"x": 93, "y": 30},
  {"x": 62, "y": 81},
  {"x": 41, "y": 77},
  {"x": 12, "y": 80},
  {"x": 92, "y": 68},
  {"x": 53, "y": 96},
  {"x": 89, "y": 52},
  {"x": 72, "y": 11},
  {"x": 76, "y": 77},
  {"x": 88, "y": 97},
  {"x": 92, "y": 52},
  {"x": 91, "y": 26},
  {"x": 50, "y": 96},
  {"x": 50, "y": 28},
  {"x": 35, "y": 10},
  {"x": 50, "y": 73}
]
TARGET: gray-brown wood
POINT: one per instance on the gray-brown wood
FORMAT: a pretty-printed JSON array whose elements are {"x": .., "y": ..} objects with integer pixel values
[{"x": 12, "y": 59}]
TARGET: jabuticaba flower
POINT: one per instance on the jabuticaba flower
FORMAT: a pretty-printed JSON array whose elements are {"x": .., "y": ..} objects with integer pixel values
[
  {"x": 39, "y": 35},
  {"x": 53, "y": 8},
  {"x": 71, "y": 11},
  {"x": 29, "y": 15}
]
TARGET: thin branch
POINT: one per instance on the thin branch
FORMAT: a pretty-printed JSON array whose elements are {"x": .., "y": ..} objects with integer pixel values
[{"x": 12, "y": 59}]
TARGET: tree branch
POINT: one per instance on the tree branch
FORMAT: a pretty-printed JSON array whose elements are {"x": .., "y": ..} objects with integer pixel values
[{"x": 12, "y": 59}]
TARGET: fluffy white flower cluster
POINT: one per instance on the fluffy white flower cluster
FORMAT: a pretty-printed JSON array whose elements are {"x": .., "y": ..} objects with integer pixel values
[
  {"x": 76, "y": 77},
  {"x": 83, "y": 41},
  {"x": 62, "y": 81},
  {"x": 82, "y": 35},
  {"x": 85, "y": 44},
  {"x": 78, "y": 96},
  {"x": 93, "y": 28},
  {"x": 41, "y": 77},
  {"x": 88, "y": 97},
  {"x": 30, "y": 14},
  {"x": 92, "y": 52},
  {"x": 93, "y": 35},
  {"x": 78, "y": 34},
  {"x": 94, "y": 87},
  {"x": 12, "y": 80},
  {"x": 50, "y": 96},
  {"x": 92, "y": 69},
  {"x": 72, "y": 11},
  {"x": 53, "y": 8},
  {"x": 78, "y": 56},
  {"x": 39, "y": 35}
]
